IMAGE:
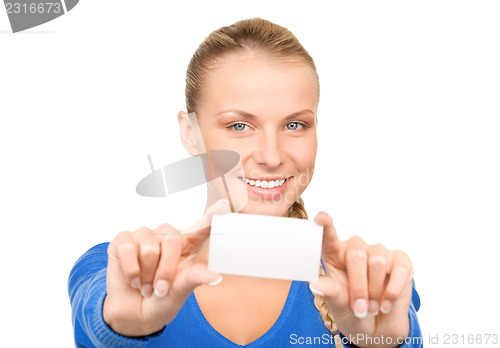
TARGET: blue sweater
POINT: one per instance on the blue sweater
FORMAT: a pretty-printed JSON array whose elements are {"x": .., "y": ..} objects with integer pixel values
[{"x": 298, "y": 324}]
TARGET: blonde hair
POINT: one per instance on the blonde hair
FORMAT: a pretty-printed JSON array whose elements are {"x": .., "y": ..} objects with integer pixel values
[
  {"x": 247, "y": 35},
  {"x": 243, "y": 36}
]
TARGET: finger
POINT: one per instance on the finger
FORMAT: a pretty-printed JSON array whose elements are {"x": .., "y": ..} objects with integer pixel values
[
  {"x": 377, "y": 274},
  {"x": 170, "y": 252},
  {"x": 123, "y": 248},
  {"x": 195, "y": 235},
  {"x": 149, "y": 255},
  {"x": 400, "y": 276},
  {"x": 332, "y": 245},
  {"x": 189, "y": 279},
  {"x": 356, "y": 265}
]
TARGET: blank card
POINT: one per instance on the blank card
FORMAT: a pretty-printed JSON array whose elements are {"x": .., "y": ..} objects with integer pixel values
[{"x": 265, "y": 246}]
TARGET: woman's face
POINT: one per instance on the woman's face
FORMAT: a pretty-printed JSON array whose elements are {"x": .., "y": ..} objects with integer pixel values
[{"x": 264, "y": 108}]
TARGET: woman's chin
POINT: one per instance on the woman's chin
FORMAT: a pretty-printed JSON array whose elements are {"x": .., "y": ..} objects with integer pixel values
[{"x": 264, "y": 209}]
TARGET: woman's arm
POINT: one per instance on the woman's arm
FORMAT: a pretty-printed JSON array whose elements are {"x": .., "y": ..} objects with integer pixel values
[
  {"x": 368, "y": 288},
  {"x": 125, "y": 292},
  {"x": 87, "y": 290}
]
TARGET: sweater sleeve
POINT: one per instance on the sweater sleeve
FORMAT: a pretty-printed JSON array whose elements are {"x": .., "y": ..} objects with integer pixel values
[
  {"x": 87, "y": 290},
  {"x": 414, "y": 338}
]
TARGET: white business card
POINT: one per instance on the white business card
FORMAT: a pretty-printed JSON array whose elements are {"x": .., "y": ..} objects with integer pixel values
[{"x": 265, "y": 246}]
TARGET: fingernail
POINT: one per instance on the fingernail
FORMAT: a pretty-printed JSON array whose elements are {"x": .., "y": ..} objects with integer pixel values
[
  {"x": 360, "y": 308},
  {"x": 314, "y": 291},
  {"x": 147, "y": 290},
  {"x": 216, "y": 282},
  {"x": 222, "y": 201},
  {"x": 386, "y": 307},
  {"x": 161, "y": 288},
  {"x": 135, "y": 283},
  {"x": 373, "y": 308}
]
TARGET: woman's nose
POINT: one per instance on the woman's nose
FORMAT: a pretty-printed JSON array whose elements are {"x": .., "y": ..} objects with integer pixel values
[{"x": 269, "y": 152}]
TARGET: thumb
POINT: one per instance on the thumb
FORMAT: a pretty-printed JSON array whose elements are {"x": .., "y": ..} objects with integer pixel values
[
  {"x": 332, "y": 291},
  {"x": 190, "y": 278},
  {"x": 197, "y": 234},
  {"x": 222, "y": 206}
]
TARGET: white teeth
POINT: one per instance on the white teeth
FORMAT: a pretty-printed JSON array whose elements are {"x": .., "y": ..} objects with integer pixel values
[{"x": 264, "y": 184}]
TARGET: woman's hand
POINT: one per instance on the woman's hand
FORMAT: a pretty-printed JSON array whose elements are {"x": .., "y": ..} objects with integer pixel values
[
  {"x": 367, "y": 287},
  {"x": 150, "y": 274}
]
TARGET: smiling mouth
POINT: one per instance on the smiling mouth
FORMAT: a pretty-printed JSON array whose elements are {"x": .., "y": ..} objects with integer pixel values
[{"x": 266, "y": 184}]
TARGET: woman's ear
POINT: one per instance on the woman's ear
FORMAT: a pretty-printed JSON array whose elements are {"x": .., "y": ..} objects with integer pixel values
[{"x": 188, "y": 133}]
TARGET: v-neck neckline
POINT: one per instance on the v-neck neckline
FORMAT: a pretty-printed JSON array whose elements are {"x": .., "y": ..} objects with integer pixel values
[{"x": 292, "y": 292}]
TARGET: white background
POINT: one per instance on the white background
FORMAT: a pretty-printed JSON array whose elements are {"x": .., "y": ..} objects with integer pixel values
[{"x": 408, "y": 142}]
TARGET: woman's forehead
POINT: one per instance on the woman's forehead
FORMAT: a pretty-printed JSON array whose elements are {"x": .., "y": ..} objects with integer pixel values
[{"x": 253, "y": 81}]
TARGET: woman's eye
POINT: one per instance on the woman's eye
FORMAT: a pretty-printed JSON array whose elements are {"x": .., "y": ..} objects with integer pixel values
[
  {"x": 238, "y": 126},
  {"x": 293, "y": 126}
]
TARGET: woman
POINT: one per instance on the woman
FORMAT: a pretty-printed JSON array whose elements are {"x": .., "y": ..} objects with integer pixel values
[{"x": 254, "y": 90}]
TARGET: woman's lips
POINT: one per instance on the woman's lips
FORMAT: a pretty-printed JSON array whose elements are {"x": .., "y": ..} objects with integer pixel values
[{"x": 279, "y": 187}]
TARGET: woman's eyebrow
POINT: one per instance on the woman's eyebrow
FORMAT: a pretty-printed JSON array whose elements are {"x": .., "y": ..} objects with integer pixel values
[
  {"x": 253, "y": 117},
  {"x": 237, "y": 112},
  {"x": 298, "y": 114}
]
